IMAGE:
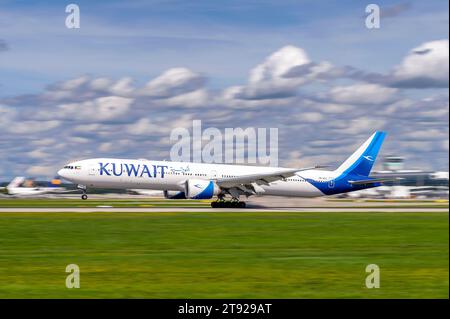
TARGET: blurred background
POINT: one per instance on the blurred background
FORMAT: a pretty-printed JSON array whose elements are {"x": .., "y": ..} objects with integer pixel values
[{"x": 133, "y": 71}]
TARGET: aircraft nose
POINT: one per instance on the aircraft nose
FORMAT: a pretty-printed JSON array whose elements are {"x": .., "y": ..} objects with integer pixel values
[{"x": 61, "y": 173}]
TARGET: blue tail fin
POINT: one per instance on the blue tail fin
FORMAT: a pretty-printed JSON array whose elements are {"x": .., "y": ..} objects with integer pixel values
[{"x": 361, "y": 162}]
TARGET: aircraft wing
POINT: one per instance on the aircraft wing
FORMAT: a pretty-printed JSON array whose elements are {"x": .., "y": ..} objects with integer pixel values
[
  {"x": 251, "y": 183},
  {"x": 372, "y": 181}
]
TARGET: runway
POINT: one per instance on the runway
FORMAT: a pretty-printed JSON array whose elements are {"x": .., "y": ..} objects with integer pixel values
[
  {"x": 135, "y": 204},
  {"x": 212, "y": 210}
]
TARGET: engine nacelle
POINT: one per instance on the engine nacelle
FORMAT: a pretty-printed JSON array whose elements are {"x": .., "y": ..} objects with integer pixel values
[
  {"x": 200, "y": 189},
  {"x": 174, "y": 195}
]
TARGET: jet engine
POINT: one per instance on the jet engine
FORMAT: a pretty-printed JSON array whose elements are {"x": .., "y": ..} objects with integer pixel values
[
  {"x": 200, "y": 189},
  {"x": 174, "y": 195}
]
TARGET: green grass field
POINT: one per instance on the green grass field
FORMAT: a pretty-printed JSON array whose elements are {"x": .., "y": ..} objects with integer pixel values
[{"x": 224, "y": 255}]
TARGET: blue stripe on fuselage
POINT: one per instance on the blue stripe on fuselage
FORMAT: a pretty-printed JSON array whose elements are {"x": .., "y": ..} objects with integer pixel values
[{"x": 340, "y": 184}]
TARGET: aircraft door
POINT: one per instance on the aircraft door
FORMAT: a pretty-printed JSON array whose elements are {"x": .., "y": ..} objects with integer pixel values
[{"x": 92, "y": 170}]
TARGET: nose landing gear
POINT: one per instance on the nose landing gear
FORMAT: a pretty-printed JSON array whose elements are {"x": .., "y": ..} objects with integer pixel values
[{"x": 83, "y": 189}]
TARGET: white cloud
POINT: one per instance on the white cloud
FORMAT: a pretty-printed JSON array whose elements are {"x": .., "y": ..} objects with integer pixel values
[
  {"x": 418, "y": 146},
  {"x": 320, "y": 69},
  {"x": 57, "y": 95},
  {"x": 73, "y": 84},
  {"x": 136, "y": 122},
  {"x": 32, "y": 127},
  {"x": 78, "y": 140},
  {"x": 196, "y": 98},
  {"x": 38, "y": 154},
  {"x": 425, "y": 66},
  {"x": 173, "y": 82},
  {"x": 122, "y": 87},
  {"x": 84, "y": 88},
  {"x": 425, "y": 135},
  {"x": 445, "y": 145},
  {"x": 363, "y": 93},
  {"x": 310, "y": 117},
  {"x": 6, "y": 116},
  {"x": 40, "y": 170},
  {"x": 43, "y": 142},
  {"x": 87, "y": 128},
  {"x": 100, "y": 109},
  {"x": 363, "y": 125},
  {"x": 106, "y": 147},
  {"x": 235, "y": 97},
  {"x": 324, "y": 107},
  {"x": 280, "y": 75},
  {"x": 184, "y": 120},
  {"x": 278, "y": 64},
  {"x": 101, "y": 84},
  {"x": 143, "y": 127}
]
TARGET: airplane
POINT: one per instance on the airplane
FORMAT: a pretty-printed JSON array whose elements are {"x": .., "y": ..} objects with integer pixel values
[
  {"x": 440, "y": 175},
  {"x": 22, "y": 187},
  {"x": 398, "y": 191},
  {"x": 205, "y": 181}
]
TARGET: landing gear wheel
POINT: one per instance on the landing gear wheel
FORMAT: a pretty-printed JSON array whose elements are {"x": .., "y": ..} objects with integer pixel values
[{"x": 83, "y": 189}]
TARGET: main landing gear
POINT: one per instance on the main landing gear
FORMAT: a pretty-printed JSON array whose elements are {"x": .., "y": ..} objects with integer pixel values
[
  {"x": 234, "y": 203},
  {"x": 83, "y": 189}
]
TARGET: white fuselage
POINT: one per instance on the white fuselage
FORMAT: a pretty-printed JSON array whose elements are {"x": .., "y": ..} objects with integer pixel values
[
  {"x": 26, "y": 191},
  {"x": 16, "y": 188},
  {"x": 171, "y": 176}
]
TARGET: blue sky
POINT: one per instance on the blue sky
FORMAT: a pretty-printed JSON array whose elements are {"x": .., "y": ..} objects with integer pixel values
[
  {"x": 143, "y": 38},
  {"x": 223, "y": 43}
]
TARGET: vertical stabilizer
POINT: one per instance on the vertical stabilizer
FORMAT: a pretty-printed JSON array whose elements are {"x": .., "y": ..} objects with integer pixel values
[{"x": 361, "y": 161}]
